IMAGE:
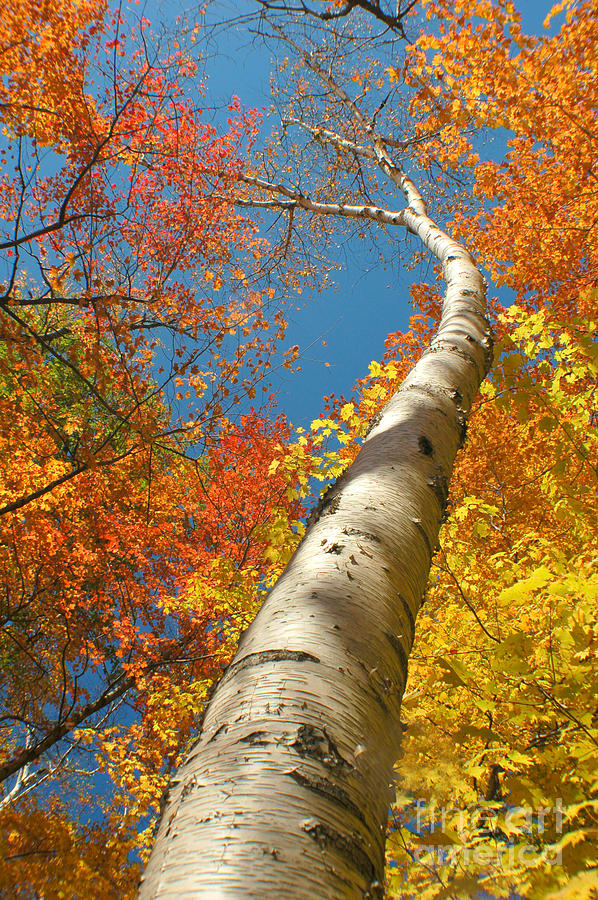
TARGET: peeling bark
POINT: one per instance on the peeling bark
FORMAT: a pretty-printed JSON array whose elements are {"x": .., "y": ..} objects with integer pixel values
[{"x": 286, "y": 791}]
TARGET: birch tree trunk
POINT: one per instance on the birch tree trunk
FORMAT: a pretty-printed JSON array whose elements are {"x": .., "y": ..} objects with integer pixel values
[{"x": 286, "y": 792}]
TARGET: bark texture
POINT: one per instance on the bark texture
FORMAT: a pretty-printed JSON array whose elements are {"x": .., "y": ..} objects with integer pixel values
[{"x": 286, "y": 791}]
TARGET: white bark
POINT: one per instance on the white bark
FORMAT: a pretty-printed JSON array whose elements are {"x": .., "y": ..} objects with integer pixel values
[
  {"x": 286, "y": 791},
  {"x": 296, "y": 199}
]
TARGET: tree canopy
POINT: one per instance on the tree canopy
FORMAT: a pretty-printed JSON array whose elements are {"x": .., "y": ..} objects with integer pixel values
[{"x": 147, "y": 507}]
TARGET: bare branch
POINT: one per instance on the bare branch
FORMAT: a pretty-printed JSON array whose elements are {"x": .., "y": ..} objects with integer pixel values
[
  {"x": 114, "y": 691},
  {"x": 394, "y": 22},
  {"x": 392, "y": 171},
  {"x": 324, "y": 135},
  {"x": 297, "y": 199}
]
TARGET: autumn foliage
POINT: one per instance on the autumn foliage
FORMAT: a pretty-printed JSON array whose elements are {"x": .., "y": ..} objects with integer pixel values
[
  {"x": 496, "y": 790},
  {"x": 142, "y": 518}
]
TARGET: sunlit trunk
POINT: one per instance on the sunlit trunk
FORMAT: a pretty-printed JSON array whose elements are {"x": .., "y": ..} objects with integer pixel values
[{"x": 286, "y": 792}]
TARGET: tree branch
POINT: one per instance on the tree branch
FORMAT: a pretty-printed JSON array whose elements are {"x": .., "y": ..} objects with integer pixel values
[
  {"x": 297, "y": 199},
  {"x": 394, "y": 22},
  {"x": 392, "y": 171},
  {"x": 116, "y": 689}
]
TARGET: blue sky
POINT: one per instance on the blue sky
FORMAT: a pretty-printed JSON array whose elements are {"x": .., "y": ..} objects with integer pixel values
[{"x": 366, "y": 301}]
